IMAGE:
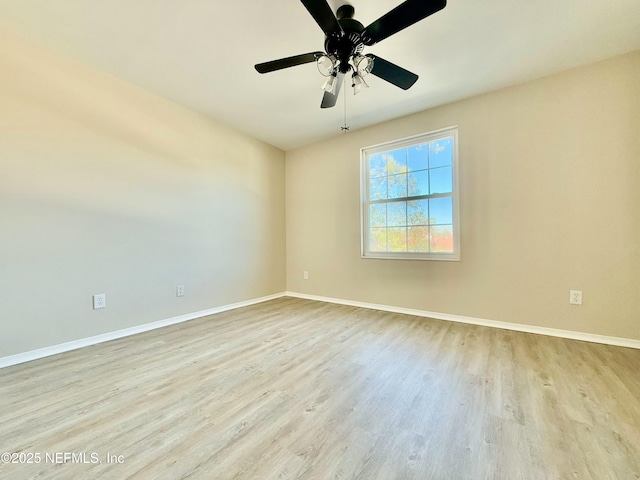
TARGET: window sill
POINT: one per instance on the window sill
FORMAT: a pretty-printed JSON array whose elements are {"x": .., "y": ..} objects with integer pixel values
[{"x": 447, "y": 257}]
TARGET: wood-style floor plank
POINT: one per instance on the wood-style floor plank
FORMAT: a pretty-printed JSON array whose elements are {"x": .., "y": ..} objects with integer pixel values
[{"x": 297, "y": 389}]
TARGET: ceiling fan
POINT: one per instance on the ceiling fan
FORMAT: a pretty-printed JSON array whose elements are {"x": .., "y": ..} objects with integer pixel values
[{"x": 345, "y": 38}]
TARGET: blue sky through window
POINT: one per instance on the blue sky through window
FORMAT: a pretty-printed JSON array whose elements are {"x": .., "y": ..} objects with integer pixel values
[
  {"x": 418, "y": 157},
  {"x": 441, "y": 210},
  {"x": 440, "y": 153},
  {"x": 441, "y": 180}
]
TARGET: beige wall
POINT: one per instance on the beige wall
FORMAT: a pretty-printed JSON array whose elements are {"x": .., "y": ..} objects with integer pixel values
[
  {"x": 550, "y": 201},
  {"x": 105, "y": 188}
]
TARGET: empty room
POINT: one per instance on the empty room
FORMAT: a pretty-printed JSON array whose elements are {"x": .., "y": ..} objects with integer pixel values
[{"x": 314, "y": 239}]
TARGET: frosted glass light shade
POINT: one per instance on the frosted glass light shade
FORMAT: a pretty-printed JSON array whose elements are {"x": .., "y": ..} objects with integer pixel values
[
  {"x": 330, "y": 85},
  {"x": 358, "y": 83}
]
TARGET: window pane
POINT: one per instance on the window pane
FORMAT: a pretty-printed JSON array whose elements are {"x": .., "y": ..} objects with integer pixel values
[
  {"x": 418, "y": 212},
  {"x": 377, "y": 165},
  {"x": 442, "y": 238},
  {"x": 396, "y": 161},
  {"x": 397, "y": 239},
  {"x": 378, "y": 239},
  {"x": 378, "y": 188},
  {"x": 398, "y": 186},
  {"x": 440, "y": 153},
  {"x": 418, "y": 183},
  {"x": 417, "y": 157},
  {"x": 378, "y": 215},
  {"x": 397, "y": 214},
  {"x": 441, "y": 180},
  {"x": 441, "y": 210},
  {"x": 418, "y": 239}
]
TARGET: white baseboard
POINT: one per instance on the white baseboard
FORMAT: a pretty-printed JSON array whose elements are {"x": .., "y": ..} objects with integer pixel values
[
  {"x": 105, "y": 337},
  {"x": 553, "y": 332}
]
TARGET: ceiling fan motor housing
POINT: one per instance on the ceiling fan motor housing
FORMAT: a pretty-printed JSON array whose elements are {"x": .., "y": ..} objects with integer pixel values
[{"x": 343, "y": 45}]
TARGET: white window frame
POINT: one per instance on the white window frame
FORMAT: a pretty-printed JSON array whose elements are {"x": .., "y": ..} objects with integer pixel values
[{"x": 366, "y": 152}]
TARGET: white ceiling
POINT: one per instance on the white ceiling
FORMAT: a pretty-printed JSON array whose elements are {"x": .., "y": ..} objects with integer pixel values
[{"x": 200, "y": 53}]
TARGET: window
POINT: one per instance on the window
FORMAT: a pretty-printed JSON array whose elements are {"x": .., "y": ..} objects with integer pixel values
[{"x": 410, "y": 198}]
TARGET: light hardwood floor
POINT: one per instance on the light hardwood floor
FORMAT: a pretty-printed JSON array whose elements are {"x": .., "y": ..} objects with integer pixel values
[{"x": 297, "y": 389}]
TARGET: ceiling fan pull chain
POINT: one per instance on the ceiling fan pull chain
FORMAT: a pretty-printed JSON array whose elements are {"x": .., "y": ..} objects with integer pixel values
[{"x": 345, "y": 128}]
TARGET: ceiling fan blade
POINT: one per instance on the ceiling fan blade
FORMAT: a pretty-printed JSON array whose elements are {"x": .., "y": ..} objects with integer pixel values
[
  {"x": 323, "y": 15},
  {"x": 401, "y": 17},
  {"x": 392, "y": 73},
  {"x": 274, "y": 65},
  {"x": 329, "y": 99}
]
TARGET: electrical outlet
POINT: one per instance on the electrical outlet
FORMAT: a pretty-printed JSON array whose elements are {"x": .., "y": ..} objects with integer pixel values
[
  {"x": 99, "y": 301},
  {"x": 305, "y": 275},
  {"x": 575, "y": 297},
  {"x": 180, "y": 291}
]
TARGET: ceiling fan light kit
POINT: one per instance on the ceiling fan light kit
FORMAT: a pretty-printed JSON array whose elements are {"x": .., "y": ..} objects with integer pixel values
[{"x": 346, "y": 38}]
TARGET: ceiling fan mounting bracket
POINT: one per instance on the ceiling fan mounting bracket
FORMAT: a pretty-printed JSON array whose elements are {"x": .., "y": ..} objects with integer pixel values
[{"x": 345, "y": 11}]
